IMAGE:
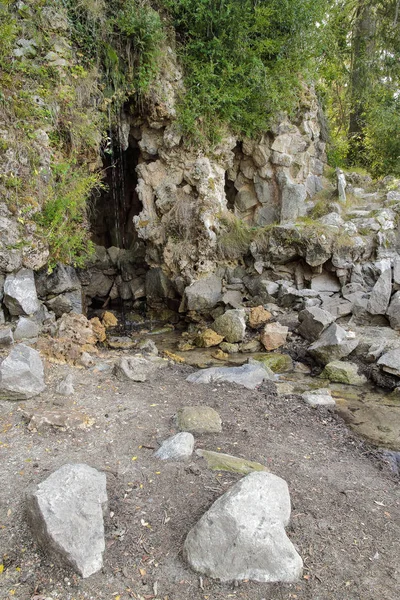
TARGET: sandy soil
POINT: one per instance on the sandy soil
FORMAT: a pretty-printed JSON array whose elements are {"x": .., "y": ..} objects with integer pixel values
[{"x": 345, "y": 501}]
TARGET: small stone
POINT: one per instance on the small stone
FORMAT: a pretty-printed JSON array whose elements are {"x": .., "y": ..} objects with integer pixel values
[
  {"x": 136, "y": 368},
  {"x": 20, "y": 295},
  {"x": 208, "y": 338},
  {"x": 380, "y": 296},
  {"x": 177, "y": 447},
  {"x": 199, "y": 419},
  {"x": 258, "y": 317},
  {"x": 231, "y": 325},
  {"x": 219, "y": 355},
  {"x": 6, "y": 337},
  {"x": 148, "y": 347},
  {"x": 98, "y": 329},
  {"x": 278, "y": 363},
  {"x": 58, "y": 419},
  {"x": 86, "y": 360},
  {"x": 250, "y": 375},
  {"x": 343, "y": 372},
  {"x": 121, "y": 342},
  {"x": 173, "y": 356},
  {"x": 109, "y": 320},
  {"x": 274, "y": 336},
  {"x": 26, "y": 329},
  {"x": 390, "y": 362},
  {"x": 21, "y": 374},
  {"x": 66, "y": 514},
  {"x": 322, "y": 397},
  {"x": 229, "y": 348},
  {"x": 217, "y": 461},
  {"x": 313, "y": 321},
  {"x": 65, "y": 386},
  {"x": 250, "y": 346},
  {"x": 204, "y": 294}
]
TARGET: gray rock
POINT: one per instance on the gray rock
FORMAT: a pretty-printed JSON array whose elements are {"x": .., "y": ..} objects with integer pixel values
[
  {"x": 21, "y": 374},
  {"x": 380, "y": 295},
  {"x": 396, "y": 270},
  {"x": 63, "y": 279},
  {"x": 158, "y": 287},
  {"x": 204, "y": 294},
  {"x": 338, "y": 307},
  {"x": 231, "y": 325},
  {"x": 198, "y": 419},
  {"x": 242, "y": 536},
  {"x": 341, "y": 185},
  {"x": 313, "y": 321},
  {"x": 250, "y": 375},
  {"x": 148, "y": 347},
  {"x": 390, "y": 362},
  {"x": 66, "y": 386},
  {"x": 20, "y": 293},
  {"x": 233, "y": 298},
  {"x": 322, "y": 397},
  {"x": 98, "y": 284},
  {"x": 137, "y": 368},
  {"x": 335, "y": 343},
  {"x": 66, "y": 303},
  {"x": 2, "y": 317},
  {"x": 177, "y": 447},
  {"x": 343, "y": 372},
  {"x": 6, "y": 337},
  {"x": 66, "y": 515},
  {"x": 393, "y": 312},
  {"x": 325, "y": 282},
  {"x": 293, "y": 196},
  {"x": 26, "y": 329}
]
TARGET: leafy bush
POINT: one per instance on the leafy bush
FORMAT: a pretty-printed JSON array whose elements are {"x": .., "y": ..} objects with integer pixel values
[{"x": 382, "y": 139}]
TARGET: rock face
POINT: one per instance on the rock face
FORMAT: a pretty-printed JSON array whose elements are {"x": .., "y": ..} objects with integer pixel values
[
  {"x": 242, "y": 536},
  {"x": 343, "y": 372},
  {"x": 313, "y": 321},
  {"x": 66, "y": 515},
  {"x": 274, "y": 336},
  {"x": 231, "y": 325},
  {"x": 199, "y": 419},
  {"x": 20, "y": 295},
  {"x": 335, "y": 343},
  {"x": 21, "y": 374},
  {"x": 177, "y": 447},
  {"x": 250, "y": 376}
]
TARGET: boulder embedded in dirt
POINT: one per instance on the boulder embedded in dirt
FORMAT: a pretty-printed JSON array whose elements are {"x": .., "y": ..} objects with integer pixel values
[
  {"x": 313, "y": 321},
  {"x": 343, "y": 372},
  {"x": 250, "y": 376},
  {"x": 335, "y": 343},
  {"x": 66, "y": 515},
  {"x": 204, "y": 294},
  {"x": 137, "y": 368},
  {"x": 390, "y": 362},
  {"x": 274, "y": 336},
  {"x": 217, "y": 461},
  {"x": 21, "y": 374},
  {"x": 321, "y": 397},
  {"x": 177, "y": 447},
  {"x": 20, "y": 295},
  {"x": 380, "y": 296},
  {"x": 199, "y": 419},
  {"x": 231, "y": 325},
  {"x": 242, "y": 535}
]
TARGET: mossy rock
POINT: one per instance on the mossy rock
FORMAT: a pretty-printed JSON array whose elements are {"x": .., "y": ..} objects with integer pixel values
[
  {"x": 278, "y": 363},
  {"x": 343, "y": 372},
  {"x": 216, "y": 461}
]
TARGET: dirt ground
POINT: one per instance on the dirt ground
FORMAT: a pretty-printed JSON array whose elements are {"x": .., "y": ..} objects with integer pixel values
[{"x": 345, "y": 500}]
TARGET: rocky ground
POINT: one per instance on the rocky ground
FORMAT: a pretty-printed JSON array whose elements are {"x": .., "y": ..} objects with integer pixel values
[{"x": 345, "y": 502}]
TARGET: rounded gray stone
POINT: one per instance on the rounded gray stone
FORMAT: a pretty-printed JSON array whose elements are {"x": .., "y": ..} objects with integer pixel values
[{"x": 177, "y": 447}]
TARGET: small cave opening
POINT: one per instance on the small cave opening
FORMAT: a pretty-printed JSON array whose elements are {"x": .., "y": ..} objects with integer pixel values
[{"x": 230, "y": 193}]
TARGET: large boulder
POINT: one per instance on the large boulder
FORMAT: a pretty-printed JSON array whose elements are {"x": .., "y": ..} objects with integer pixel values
[
  {"x": 250, "y": 376},
  {"x": 335, "y": 343},
  {"x": 313, "y": 321},
  {"x": 20, "y": 295},
  {"x": 26, "y": 329},
  {"x": 390, "y": 362},
  {"x": 62, "y": 279},
  {"x": 231, "y": 325},
  {"x": 380, "y": 295},
  {"x": 242, "y": 535},
  {"x": 204, "y": 294},
  {"x": 66, "y": 515},
  {"x": 21, "y": 374}
]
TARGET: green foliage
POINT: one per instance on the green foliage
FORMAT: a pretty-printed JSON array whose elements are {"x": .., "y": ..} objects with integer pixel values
[
  {"x": 382, "y": 137},
  {"x": 8, "y": 30},
  {"x": 63, "y": 218},
  {"x": 243, "y": 60}
]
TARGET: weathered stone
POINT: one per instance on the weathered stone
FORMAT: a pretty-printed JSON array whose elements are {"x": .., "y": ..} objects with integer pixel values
[
  {"x": 109, "y": 320},
  {"x": 137, "y": 368},
  {"x": 251, "y": 346},
  {"x": 250, "y": 375},
  {"x": 390, "y": 362},
  {"x": 198, "y": 419},
  {"x": 242, "y": 536},
  {"x": 231, "y": 325},
  {"x": 148, "y": 347},
  {"x": 208, "y": 338},
  {"x": 322, "y": 397},
  {"x": 66, "y": 386},
  {"x": 158, "y": 287},
  {"x": 396, "y": 270},
  {"x": 313, "y": 321},
  {"x": 338, "y": 307},
  {"x": 122, "y": 342},
  {"x": 66, "y": 515},
  {"x": 177, "y": 447},
  {"x": 335, "y": 343},
  {"x": 20, "y": 295},
  {"x": 233, "y": 298},
  {"x": 66, "y": 303},
  {"x": 21, "y": 374},
  {"x": 274, "y": 336},
  {"x": 341, "y": 185},
  {"x": 204, "y": 294},
  {"x": 217, "y": 461},
  {"x": 66, "y": 419},
  {"x": 6, "y": 337},
  {"x": 325, "y": 282},
  {"x": 98, "y": 285},
  {"x": 278, "y": 363},
  {"x": 259, "y": 316},
  {"x": 62, "y": 279},
  {"x": 393, "y": 312},
  {"x": 343, "y": 372},
  {"x": 380, "y": 295},
  {"x": 293, "y": 198},
  {"x": 229, "y": 348},
  {"x": 246, "y": 198},
  {"x": 26, "y": 329}
]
